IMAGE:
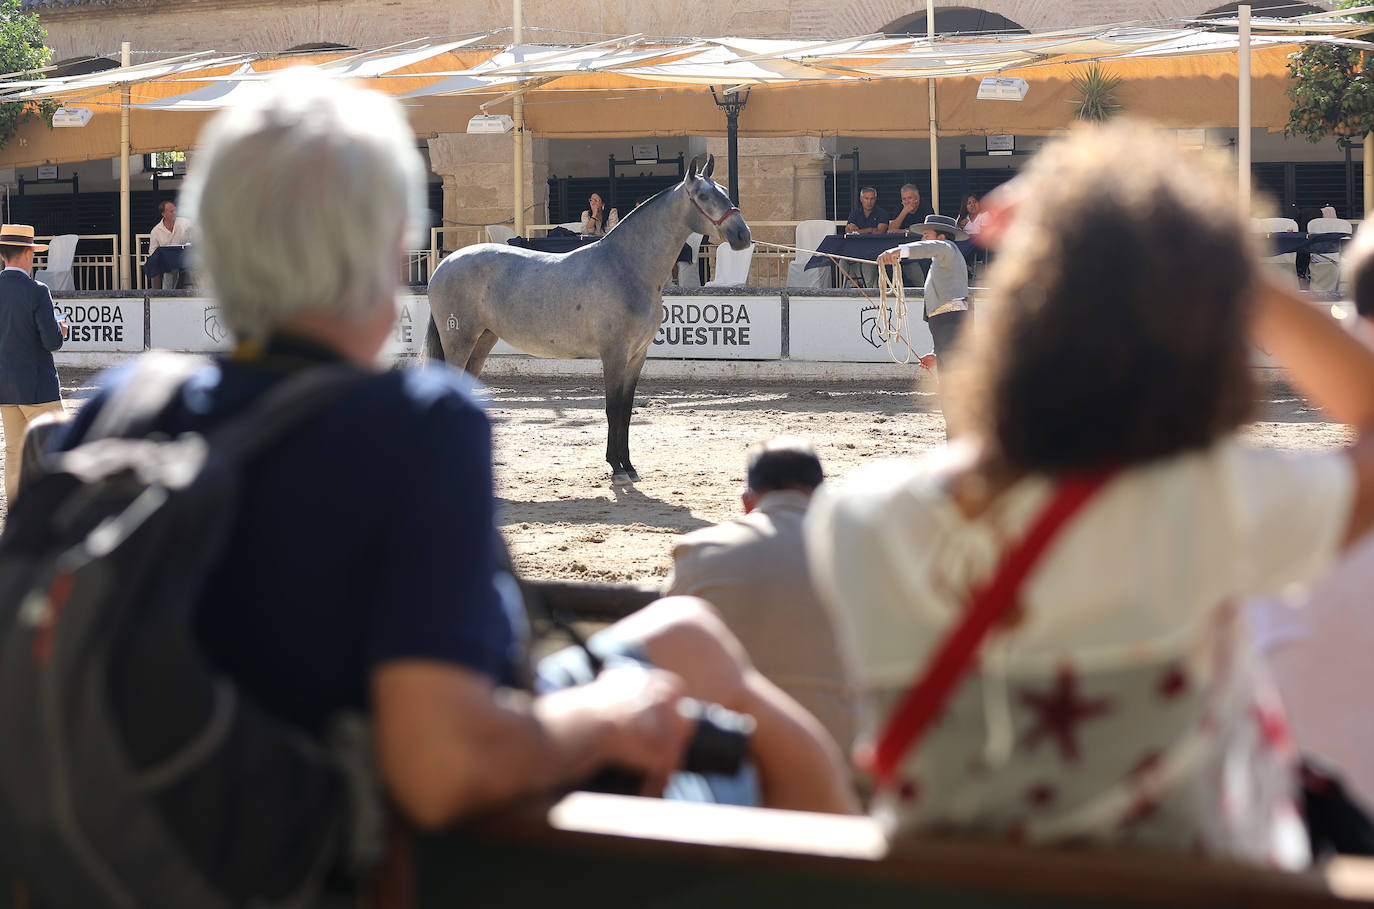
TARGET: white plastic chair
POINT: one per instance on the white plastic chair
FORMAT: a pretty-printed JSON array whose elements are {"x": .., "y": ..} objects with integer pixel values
[
  {"x": 499, "y": 233},
  {"x": 689, "y": 274},
  {"x": 732, "y": 266},
  {"x": 1283, "y": 267},
  {"x": 809, "y": 236},
  {"x": 1326, "y": 267},
  {"x": 57, "y": 274}
]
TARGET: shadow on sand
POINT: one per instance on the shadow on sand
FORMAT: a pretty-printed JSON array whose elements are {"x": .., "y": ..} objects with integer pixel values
[{"x": 630, "y": 506}]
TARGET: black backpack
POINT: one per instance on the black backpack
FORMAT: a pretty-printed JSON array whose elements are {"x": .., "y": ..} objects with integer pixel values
[{"x": 132, "y": 774}]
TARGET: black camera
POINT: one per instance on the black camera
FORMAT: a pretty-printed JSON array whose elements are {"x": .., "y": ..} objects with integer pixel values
[{"x": 719, "y": 744}]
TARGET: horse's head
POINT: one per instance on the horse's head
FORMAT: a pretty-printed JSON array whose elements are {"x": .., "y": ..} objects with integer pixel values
[{"x": 712, "y": 213}]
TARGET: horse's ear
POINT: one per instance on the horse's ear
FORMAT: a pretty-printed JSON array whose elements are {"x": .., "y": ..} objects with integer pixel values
[
  {"x": 694, "y": 168},
  {"x": 710, "y": 166}
]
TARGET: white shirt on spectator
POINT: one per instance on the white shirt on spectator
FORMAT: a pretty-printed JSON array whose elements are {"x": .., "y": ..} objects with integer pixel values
[
  {"x": 179, "y": 235},
  {"x": 1126, "y": 702}
]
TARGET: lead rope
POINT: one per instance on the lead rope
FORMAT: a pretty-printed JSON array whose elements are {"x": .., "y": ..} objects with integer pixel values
[{"x": 891, "y": 323}]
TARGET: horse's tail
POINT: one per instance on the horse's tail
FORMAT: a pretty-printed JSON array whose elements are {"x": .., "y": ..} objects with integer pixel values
[{"x": 434, "y": 345}]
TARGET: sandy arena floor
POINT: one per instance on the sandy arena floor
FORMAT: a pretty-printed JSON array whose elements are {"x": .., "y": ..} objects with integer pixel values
[{"x": 563, "y": 519}]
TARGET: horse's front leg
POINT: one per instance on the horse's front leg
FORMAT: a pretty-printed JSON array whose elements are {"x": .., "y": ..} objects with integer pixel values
[
  {"x": 617, "y": 422},
  {"x": 631, "y": 381}
]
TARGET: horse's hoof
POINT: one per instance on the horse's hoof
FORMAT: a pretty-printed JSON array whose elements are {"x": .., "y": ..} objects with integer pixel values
[
  {"x": 634, "y": 474},
  {"x": 621, "y": 478}
]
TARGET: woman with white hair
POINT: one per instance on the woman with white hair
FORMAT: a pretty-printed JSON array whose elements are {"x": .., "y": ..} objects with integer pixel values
[{"x": 362, "y": 568}]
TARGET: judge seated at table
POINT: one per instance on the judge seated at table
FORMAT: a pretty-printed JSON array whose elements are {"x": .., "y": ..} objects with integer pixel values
[
  {"x": 169, "y": 231},
  {"x": 911, "y": 216},
  {"x": 867, "y": 218}
]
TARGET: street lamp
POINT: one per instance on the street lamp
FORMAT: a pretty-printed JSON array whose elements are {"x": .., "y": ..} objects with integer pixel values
[{"x": 732, "y": 105}]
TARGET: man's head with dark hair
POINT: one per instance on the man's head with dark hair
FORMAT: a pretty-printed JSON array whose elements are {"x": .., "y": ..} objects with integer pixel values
[
  {"x": 12, "y": 254},
  {"x": 162, "y": 206},
  {"x": 787, "y": 462}
]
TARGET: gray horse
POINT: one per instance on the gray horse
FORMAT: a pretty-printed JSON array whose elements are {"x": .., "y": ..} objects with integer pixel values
[{"x": 602, "y": 300}]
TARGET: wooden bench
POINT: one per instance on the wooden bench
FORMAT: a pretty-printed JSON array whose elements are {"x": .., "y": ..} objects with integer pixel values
[
  {"x": 591, "y": 850},
  {"x": 597, "y": 850}
]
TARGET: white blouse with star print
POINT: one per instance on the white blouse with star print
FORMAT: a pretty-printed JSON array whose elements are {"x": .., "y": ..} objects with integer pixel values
[{"x": 1127, "y": 703}]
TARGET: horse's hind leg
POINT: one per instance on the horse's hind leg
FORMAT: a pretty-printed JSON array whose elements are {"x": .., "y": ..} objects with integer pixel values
[
  {"x": 460, "y": 344},
  {"x": 478, "y": 358}
]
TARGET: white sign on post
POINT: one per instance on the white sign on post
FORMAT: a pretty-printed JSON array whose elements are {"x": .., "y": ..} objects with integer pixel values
[
  {"x": 1001, "y": 144},
  {"x": 103, "y": 325},
  {"x": 847, "y": 330}
]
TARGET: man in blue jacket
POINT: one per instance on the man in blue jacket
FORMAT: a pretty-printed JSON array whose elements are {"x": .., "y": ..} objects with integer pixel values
[{"x": 29, "y": 333}]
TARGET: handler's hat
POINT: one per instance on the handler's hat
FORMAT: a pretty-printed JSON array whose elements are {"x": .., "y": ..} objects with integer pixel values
[
  {"x": 19, "y": 235},
  {"x": 945, "y": 225}
]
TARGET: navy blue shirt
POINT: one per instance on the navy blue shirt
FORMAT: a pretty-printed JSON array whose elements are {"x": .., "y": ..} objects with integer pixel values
[
  {"x": 861, "y": 220},
  {"x": 913, "y": 222},
  {"x": 365, "y": 535}
]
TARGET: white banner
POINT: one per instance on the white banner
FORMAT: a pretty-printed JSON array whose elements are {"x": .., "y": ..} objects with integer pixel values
[
  {"x": 412, "y": 319},
  {"x": 188, "y": 323},
  {"x": 103, "y": 325},
  {"x": 846, "y": 329},
  {"x": 720, "y": 328}
]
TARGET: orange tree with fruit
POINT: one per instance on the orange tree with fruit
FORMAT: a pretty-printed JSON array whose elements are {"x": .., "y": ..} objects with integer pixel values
[{"x": 1332, "y": 90}]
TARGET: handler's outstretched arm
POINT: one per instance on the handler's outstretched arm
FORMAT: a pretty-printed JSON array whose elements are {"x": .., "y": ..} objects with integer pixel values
[{"x": 1335, "y": 370}]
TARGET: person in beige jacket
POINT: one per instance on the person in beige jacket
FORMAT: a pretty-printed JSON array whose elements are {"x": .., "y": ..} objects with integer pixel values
[{"x": 753, "y": 570}]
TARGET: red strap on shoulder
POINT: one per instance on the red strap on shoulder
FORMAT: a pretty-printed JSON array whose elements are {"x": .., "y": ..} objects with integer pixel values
[{"x": 987, "y": 605}]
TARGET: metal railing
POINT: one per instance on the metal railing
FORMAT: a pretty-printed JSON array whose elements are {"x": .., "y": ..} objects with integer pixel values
[
  {"x": 99, "y": 270},
  {"x": 768, "y": 268}
]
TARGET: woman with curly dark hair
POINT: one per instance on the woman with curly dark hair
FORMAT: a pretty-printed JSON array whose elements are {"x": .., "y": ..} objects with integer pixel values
[{"x": 1122, "y": 700}]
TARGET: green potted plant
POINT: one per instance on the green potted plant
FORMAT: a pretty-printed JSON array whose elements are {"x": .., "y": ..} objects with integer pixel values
[{"x": 1096, "y": 94}]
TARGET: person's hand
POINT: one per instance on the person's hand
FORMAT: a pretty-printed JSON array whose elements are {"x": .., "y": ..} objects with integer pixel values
[
  {"x": 615, "y": 213},
  {"x": 647, "y": 734},
  {"x": 890, "y": 256},
  {"x": 65, "y": 329},
  {"x": 928, "y": 362}
]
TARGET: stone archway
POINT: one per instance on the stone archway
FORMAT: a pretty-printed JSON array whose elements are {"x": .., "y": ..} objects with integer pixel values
[
  {"x": 967, "y": 20},
  {"x": 1283, "y": 8},
  {"x": 80, "y": 66},
  {"x": 318, "y": 47}
]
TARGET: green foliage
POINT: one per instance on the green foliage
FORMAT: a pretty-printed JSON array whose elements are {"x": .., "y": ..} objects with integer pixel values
[
  {"x": 21, "y": 49},
  {"x": 1332, "y": 91},
  {"x": 1096, "y": 94}
]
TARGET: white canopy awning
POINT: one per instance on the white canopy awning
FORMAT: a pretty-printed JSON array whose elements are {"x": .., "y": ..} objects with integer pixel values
[{"x": 729, "y": 61}]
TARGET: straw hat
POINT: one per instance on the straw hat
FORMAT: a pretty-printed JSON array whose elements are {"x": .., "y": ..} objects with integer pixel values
[
  {"x": 945, "y": 225},
  {"x": 19, "y": 235}
]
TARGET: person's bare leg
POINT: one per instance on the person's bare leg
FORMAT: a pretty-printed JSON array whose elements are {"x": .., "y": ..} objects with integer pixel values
[{"x": 800, "y": 766}]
